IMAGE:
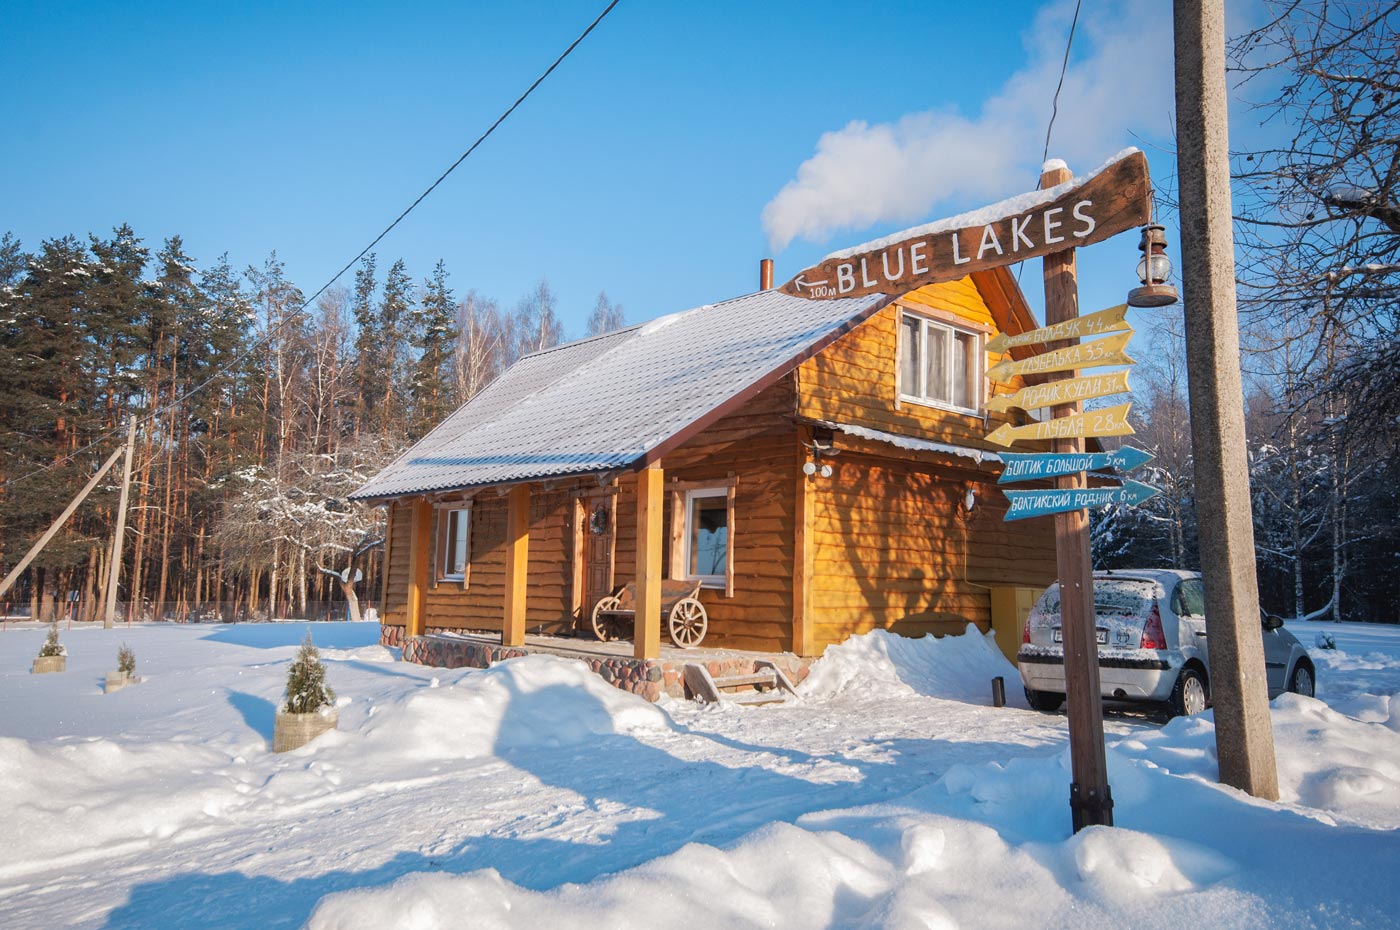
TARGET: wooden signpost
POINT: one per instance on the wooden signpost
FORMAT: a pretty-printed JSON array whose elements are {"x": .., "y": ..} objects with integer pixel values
[
  {"x": 1067, "y": 391},
  {"x": 1096, "y": 354},
  {"x": 1094, "y": 324},
  {"x": 1050, "y": 223},
  {"x": 1110, "y": 421}
]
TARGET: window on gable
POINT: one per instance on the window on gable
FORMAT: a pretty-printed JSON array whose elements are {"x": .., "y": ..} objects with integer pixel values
[
  {"x": 454, "y": 543},
  {"x": 707, "y": 534},
  {"x": 939, "y": 364}
]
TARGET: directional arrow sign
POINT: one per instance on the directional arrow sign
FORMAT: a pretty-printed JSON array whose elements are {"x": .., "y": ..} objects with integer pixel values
[
  {"x": 1094, "y": 354},
  {"x": 1094, "y": 324},
  {"x": 1029, "y": 466},
  {"x": 1110, "y": 421},
  {"x": 1039, "y": 503},
  {"x": 1069, "y": 391}
]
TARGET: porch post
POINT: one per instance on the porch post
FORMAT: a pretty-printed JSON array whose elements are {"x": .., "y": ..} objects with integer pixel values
[
  {"x": 517, "y": 564},
  {"x": 647, "y": 625},
  {"x": 803, "y": 637},
  {"x": 420, "y": 549}
]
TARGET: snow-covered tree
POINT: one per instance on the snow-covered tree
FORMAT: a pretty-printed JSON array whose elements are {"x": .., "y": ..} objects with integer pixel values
[
  {"x": 606, "y": 316},
  {"x": 296, "y": 510},
  {"x": 307, "y": 691}
]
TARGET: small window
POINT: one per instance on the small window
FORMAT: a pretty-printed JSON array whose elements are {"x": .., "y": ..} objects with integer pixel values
[
  {"x": 707, "y": 535},
  {"x": 939, "y": 364},
  {"x": 454, "y": 541},
  {"x": 1193, "y": 598}
]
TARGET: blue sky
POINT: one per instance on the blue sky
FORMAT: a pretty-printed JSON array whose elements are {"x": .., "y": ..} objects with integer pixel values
[{"x": 643, "y": 166}]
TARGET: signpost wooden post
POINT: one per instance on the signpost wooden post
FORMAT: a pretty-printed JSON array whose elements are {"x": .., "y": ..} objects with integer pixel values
[{"x": 1090, "y": 799}]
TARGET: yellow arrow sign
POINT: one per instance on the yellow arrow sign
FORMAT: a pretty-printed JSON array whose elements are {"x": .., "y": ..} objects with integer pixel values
[
  {"x": 1093, "y": 324},
  {"x": 1085, "y": 355},
  {"x": 1111, "y": 421},
  {"x": 1062, "y": 392}
]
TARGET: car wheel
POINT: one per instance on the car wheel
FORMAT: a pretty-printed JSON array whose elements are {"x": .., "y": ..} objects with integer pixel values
[
  {"x": 1190, "y": 695},
  {"x": 1044, "y": 700},
  {"x": 1301, "y": 681}
]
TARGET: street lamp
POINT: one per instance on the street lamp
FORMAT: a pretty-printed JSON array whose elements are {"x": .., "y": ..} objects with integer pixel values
[{"x": 1153, "y": 269}]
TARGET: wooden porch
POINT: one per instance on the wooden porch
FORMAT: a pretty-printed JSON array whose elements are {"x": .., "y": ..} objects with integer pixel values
[{"x": 615, "y": 662}]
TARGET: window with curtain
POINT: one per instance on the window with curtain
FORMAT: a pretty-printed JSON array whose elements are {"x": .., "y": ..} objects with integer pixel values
[
  {"x": 939, "y": 364},
  {"x": 707, "y": 534}
]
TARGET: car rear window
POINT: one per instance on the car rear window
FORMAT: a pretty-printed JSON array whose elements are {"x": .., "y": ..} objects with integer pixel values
[{"x": 1113, "y": 597}]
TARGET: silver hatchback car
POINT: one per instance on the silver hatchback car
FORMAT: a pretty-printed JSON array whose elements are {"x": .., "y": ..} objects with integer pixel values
[{"x": 1151, "y": 630}]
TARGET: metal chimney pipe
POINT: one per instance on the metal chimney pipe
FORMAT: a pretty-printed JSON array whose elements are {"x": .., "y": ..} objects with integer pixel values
[{"x": 765, "y": 275}]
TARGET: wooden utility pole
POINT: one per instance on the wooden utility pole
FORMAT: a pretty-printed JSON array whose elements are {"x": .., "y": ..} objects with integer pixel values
[
  {"x": 1244, "y": 739},
  {"x": 1090, "y": 800},
  {"x": 114, "y": 564},
  {"x": 57, "y": 524}
]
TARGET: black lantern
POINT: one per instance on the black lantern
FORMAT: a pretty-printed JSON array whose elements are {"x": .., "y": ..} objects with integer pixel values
[{"x": 1153, "y": 270}]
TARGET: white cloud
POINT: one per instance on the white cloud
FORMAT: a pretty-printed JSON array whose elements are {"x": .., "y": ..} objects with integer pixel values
[{"x": 1119, "y": 80}]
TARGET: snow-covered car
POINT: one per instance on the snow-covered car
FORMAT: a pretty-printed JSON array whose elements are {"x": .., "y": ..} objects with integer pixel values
[{"x": 1152, "y": 646}]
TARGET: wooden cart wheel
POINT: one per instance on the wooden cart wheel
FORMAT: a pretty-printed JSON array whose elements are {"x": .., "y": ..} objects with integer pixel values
[
  {"x": 688, "y": 623},
  {"x": 605, "y": 628}
]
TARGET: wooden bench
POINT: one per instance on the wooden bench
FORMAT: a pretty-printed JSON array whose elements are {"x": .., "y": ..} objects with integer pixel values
[{"x": 681, "y": 611}]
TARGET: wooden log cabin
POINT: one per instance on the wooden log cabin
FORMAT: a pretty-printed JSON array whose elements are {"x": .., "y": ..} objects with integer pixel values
[{"x": 675, "y": 449}]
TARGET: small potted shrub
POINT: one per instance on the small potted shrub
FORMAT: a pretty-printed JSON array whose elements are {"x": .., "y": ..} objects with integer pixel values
[
  {"x": 52, "y": 656},
  {"x": 309, "y": 708},
  {"x": 126, "y": 670}
]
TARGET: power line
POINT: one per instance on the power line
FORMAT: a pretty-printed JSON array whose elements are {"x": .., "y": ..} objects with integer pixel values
[
  {"x": 1064, "y": 66},
  {"x": 1055, "y": 104},
  {"x": 258, "y": 343}
]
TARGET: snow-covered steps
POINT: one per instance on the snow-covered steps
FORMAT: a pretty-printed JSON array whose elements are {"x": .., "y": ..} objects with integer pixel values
[{"x": 766, "y": 684}]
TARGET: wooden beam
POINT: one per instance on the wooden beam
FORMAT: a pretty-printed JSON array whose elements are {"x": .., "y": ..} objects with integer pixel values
[
  {"x": 1091, "y": 801},
  {"x": 580, "y": 512},
  {"x": 647, "y": 635},
  {"x": 517, "y": 564},
  {"x": 803, "y": 629},
  {"x": 385, "y": 569},
  {"x": 58, "y": 523},
  {"x": 420, "y": 548}
]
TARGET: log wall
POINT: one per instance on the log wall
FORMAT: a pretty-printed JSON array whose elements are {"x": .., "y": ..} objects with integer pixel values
[
  {"x": 853, "y": 381},
  {"x": 895, "y": 548}
]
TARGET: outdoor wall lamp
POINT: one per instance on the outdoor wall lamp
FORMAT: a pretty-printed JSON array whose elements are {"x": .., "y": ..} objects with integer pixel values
[
  {"x": 1153, "y": 269},
  {"x": 815, "y": 465}
]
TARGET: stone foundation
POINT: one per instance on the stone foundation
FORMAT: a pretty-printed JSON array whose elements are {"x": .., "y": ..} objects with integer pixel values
[{"x": 648, "y": 678}]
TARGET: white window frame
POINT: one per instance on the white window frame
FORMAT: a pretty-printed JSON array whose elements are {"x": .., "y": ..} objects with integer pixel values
[
  {"x": 919, "y": 392},
  {"x": 444, "y": 514},
  {"x": 726, "y": 494}
]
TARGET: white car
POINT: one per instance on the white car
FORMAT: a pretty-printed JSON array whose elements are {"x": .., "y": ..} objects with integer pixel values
[{"x": 1152, "y": 644}]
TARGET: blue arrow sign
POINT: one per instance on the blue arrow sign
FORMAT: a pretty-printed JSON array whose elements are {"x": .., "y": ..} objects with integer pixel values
[
  {"x": 1039, "y": 503},
  {"x": 1029, "y": 466}
]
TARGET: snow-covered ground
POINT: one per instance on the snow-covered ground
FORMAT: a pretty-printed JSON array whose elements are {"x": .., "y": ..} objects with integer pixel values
[{"x": 533, "y": 795}]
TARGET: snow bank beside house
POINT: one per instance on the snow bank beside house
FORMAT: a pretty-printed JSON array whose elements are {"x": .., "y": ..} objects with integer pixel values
[
  {"x": 537, "y": 701},
  {"x": 958, "y": 668}
]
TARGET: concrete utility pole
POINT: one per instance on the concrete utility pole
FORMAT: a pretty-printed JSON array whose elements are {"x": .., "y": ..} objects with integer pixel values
[
  {"x": 1090, "y": 800},
  {"x": 1244, "y": 738},
  {"x": 114, "y": 564}
]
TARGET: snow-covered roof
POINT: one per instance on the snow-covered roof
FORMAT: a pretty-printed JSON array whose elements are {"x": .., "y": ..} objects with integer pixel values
[
  {"x": 604, "y": 403},
  {"x": 917, "y": 445}
]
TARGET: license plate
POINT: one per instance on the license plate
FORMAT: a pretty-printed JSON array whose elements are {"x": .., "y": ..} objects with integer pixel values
[{"x": 1058, "y": 637}]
